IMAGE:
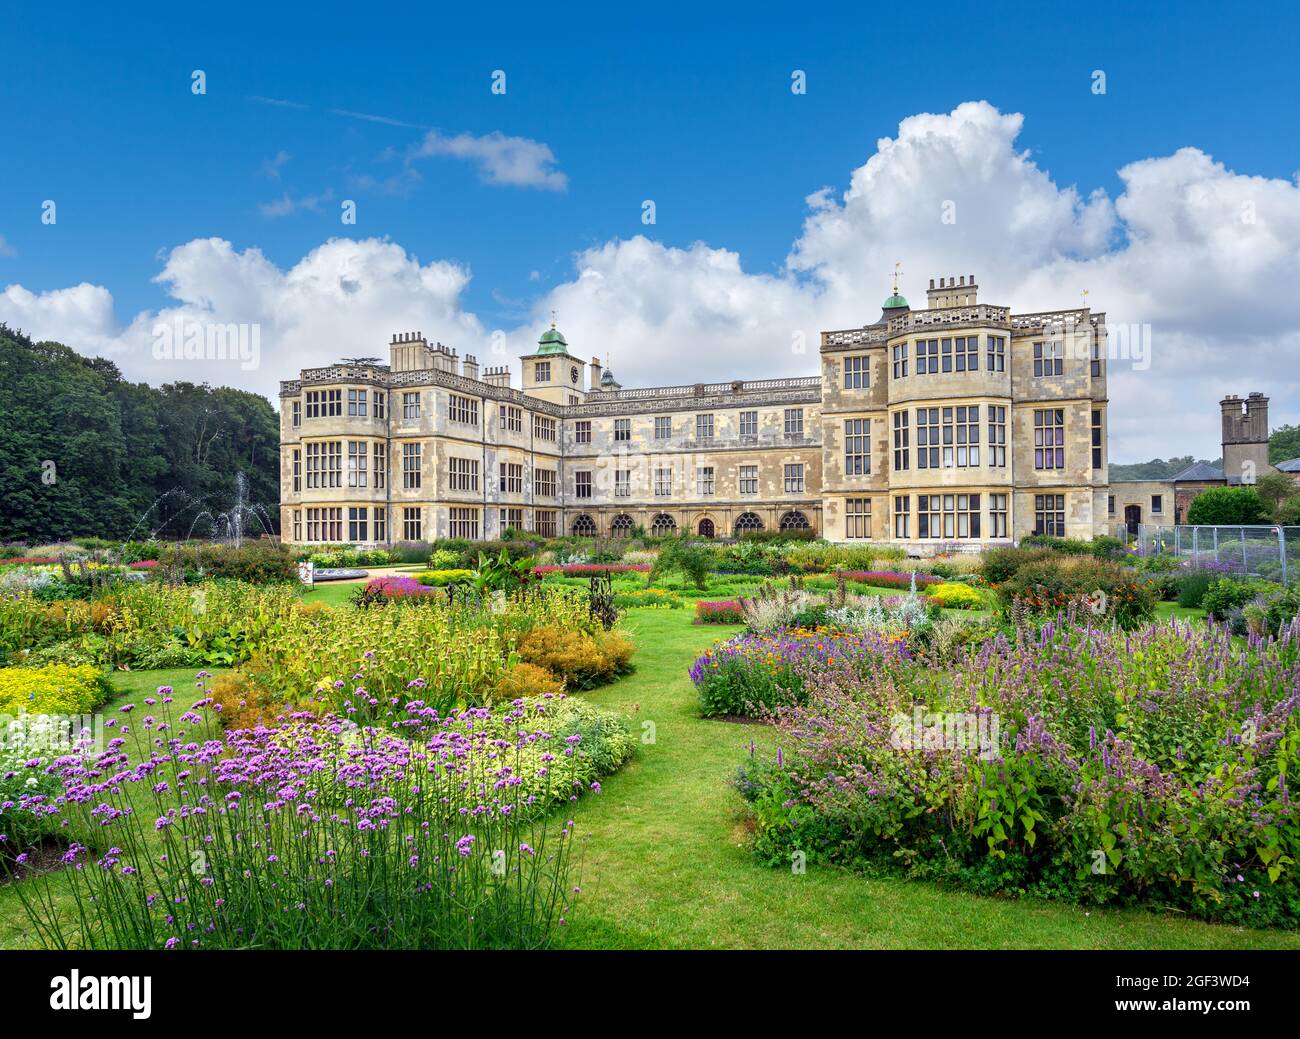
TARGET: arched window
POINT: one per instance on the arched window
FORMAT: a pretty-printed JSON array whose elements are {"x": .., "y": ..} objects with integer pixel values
[
  {"x": 706, "y": 528},
  {"x": 621, "y": 527},
  {"x": 748, "y": 523},
  {"x": 584, "y": 527},
  {"x": 663, "y": 525},
  {"x": 794, "y": 521}
]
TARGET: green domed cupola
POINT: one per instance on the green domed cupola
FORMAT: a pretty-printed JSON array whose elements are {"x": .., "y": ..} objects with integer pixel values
[
  {"x": 895, "y": 302},
  {"x": 552, "y": 342}
]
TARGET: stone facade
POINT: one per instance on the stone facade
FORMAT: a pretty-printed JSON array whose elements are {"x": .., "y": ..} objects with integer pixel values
[{"x": 959, "y": 424}]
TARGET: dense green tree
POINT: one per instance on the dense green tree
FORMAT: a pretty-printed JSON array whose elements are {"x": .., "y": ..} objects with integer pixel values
[
  {"x": 87, "y": 453},
  {"x": 1228, "y": 505},
  {"x": 1284, "y": 443}
]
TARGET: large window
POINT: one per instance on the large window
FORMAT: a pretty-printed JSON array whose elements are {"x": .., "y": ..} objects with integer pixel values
[
  {"x": 663, "y": 427},
  {"x": 510, "y": 519},
  {"x": 1049, "y": 514},
  {"x": 511, "y": 478},
  {"x": 948, "y": 515},
  {"x": 325, "y": 524},
  {"x": 857, "y": 373},
  {"x": 794, "y": 521},
  {"x": 542, "y": 371},
  {"x": 927, "y": 356},
  {"x": 297, "y": 470},
  {"x": 297, "y": 524},
  {"x": 512, "y": 419},
  {"x": 381, "y": 523},
  {"x": 857, "y": 446},
  {"x": 462, "y": 523},
  {"x": 296, "y": 412},
  {"x": 324, "y": 404},
  {"x": 927, "y": 438},
  {"x": 412, "y": 525},
  {"x": 967, "y": 435},
  {"x": 1049, "y": 438},
  {"x": 622, "y": 483},
  {"x": 324, "y": 464},
  {"x": 704, "y": 480},
  {"x": 794, "y": 478},
  {"x": 584, "y": 526},
  {"x": 703, "y": 427},
  {"x": 358, "y": 524},
  {"x": 582, "y": 432},
  {"x": 1096, "y": 438},
  {"x": 411, "y": 474},
  {"x": 749, "y": 479},
  {"x": 381, "y": 466},
  {"x": 960, "y": 354},
  {"x": 900, "y": 361},
  {"x": 663, "y": 482},
  {"x": 621, "y": 526},
  {"x": 997, "y": 515},
  {"x": 582, "y": 484},
  {"x": 462, "y": 474},
  {"x": 748, "y": 523},
  {"x": 356, "y": 404},
  {"x": 543, "y": 428},
  {"x": 857, "y": 518},
  {"x": 544, "y": 522},
  {"x": 749, "y": 423},
  {"x": 948, "y": 437},
  {"x": 1048, "y": 359},
  {"x": 411, "y": 405},
  {"x": 997, "y": 346},
  {"x": 622, "y": 429},
  {"x": 663, "y": 525},
  {"x": 358, "y": 459},
  {"x": 381, "y": 411},
  {"x": 462, "y": 409},
  {"x": 998, "y": 435},
  {"x": 545, "y": 482},
  {"x": 794, "y": 423},
  {"x": 903, "y": 516},
  {"x": 902, "y": 442},
  {"x": 1157, "y": 503}
]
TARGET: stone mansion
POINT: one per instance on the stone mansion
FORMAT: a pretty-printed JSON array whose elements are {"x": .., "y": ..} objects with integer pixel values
[{"x": 958, "y": 423}]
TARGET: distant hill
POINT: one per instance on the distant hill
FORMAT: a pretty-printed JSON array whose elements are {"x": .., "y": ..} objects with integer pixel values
[{"x": 1156, "y": 469}]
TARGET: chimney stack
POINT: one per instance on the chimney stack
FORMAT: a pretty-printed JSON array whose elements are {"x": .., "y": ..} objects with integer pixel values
[
  {"x": 595, "y": 374},
  {"x": 469, "y": 367}
]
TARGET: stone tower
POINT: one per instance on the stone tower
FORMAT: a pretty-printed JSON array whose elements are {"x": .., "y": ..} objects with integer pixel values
[{"x": 1245, "y": 437}]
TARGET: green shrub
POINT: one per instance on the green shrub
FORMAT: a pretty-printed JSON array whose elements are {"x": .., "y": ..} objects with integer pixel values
[
  {"x": 1227, "y": 594},
  {"x": 1052, "y": 585},
  {"x": 1000, "y": 564},
  {"x": 1192, "y": 588},
  {"x": 1227, "y": 505},
  {"x": 257, "y": 562}
]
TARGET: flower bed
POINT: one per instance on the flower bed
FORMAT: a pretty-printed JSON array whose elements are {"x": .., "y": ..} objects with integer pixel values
[
  {"x": 724, "y": 611},
  {"x": 588, "y": 569},
  {"x": 56, "y": 689},
  {"x": 1084, "y": 764},
  {"x": 888, "y": 578},
  {"x": 755, "y": 674},
  {"x": 320, "y": 834}
]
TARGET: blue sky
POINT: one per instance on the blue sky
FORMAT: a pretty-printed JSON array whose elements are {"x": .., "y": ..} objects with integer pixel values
[{"x": 685, "y": 105}]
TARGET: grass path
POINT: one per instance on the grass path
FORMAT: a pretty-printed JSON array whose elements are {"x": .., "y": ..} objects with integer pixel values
[{"x": 666, "y": 863}]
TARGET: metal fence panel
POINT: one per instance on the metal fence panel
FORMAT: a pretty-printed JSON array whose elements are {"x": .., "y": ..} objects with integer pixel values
[{"x": 1272, "y": 552}]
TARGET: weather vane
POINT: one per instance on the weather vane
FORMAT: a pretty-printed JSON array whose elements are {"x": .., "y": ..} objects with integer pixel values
[
  {"x": 898, "y": 269},
  {"x": 552, "y": 318}
]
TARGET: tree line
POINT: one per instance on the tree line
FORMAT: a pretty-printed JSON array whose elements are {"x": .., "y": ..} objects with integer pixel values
[{"x": 86, "y": 453}]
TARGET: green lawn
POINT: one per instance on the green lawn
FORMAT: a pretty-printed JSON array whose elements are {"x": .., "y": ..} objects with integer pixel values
[{"x": 666, "y": 863}]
